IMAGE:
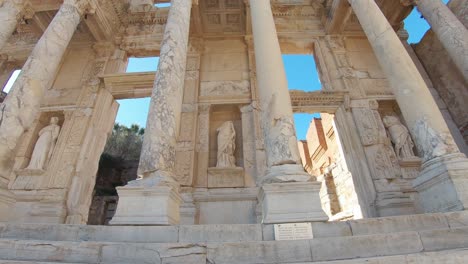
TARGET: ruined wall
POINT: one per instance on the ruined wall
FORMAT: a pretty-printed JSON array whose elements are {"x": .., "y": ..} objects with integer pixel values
[{"x": 445, "y": 77}]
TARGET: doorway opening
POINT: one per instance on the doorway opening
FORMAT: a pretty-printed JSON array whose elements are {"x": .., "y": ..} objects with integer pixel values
[{"x": 119, "y": 162}]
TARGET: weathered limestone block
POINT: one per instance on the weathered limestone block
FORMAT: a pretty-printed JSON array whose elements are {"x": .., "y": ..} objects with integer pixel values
[
  {"x": 226, "y": 177},
  {"x": 277, "y": 200}
]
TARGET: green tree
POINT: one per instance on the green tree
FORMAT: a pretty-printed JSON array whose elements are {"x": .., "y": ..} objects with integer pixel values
[{"x": 125, "y": 142}]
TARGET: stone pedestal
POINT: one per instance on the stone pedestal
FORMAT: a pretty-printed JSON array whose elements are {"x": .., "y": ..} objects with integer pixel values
[
  {"x": 225, "y": 177},
  {"x": 291, "y": 202},
  {"x": 443, "y": 184},
  {"x": 158, "y": 205}
]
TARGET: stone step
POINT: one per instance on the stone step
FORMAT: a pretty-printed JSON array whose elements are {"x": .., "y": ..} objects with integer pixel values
[
  {"x": 458, "y": 256},
  {"x": 228, "y": 233},
  {"x": 305, "y": 251}
]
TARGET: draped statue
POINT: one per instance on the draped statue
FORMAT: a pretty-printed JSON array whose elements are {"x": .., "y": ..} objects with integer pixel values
[
  {"x": 226, "y": 145},
  {"x": 44, "y": 145},
  {"x": 400, "y": 137}
]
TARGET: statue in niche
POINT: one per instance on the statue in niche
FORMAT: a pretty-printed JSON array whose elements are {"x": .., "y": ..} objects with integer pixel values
[
  {"x": 44, "y": 146},
  {"x": 226, "y": 145},
  {"x": 400, "y": 137}
]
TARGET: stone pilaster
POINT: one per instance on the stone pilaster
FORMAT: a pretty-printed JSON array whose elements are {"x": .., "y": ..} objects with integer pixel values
[
  {"x": 283, "y": 160},
  {"x": 450, "y": 31},
  {"x": 427, "y": 125},
  {"x": 11, "y": 12},
  {"x": 157, "y": 187}
]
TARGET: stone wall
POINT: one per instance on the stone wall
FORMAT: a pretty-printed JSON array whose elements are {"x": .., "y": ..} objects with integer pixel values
[
  {"x": 321, "y": 157},
  {"x": 113, "y": 172},
  {"x": 445, "y": 76}
]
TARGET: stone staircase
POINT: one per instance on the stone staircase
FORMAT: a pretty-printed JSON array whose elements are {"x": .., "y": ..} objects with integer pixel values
[{"x": 428, "y": 238}]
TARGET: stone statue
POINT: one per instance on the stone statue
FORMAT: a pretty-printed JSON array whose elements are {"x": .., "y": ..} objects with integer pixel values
[
  {"x": 226, "y": 145},
  {"x": 400, "y": 137},
  {"x": 44, "y": 146}
]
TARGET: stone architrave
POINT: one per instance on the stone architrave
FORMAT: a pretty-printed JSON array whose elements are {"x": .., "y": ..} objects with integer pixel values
[
  {"x": 283, "y": 159},
  {"x": 450, "y": 31},
  {"x": 157, "y": 185},
  {"x": 11, "y": 11},
  {"x": 427, "y": 125},
  {"x": 21, "y": 106}
]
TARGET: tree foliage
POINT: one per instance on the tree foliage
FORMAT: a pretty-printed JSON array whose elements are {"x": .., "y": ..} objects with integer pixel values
[{"x": 125, "y": 142}]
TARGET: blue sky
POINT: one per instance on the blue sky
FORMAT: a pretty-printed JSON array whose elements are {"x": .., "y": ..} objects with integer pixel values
[{"x": 300, "y": 70}]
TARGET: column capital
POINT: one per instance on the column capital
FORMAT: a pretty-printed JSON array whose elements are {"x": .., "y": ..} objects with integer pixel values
[{"x": 83, "y": 6}]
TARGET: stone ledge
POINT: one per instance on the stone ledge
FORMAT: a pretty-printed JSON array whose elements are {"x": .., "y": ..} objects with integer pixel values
[
  {"x": 230, "y": 233},
  {"x": 351, "y": 248}
]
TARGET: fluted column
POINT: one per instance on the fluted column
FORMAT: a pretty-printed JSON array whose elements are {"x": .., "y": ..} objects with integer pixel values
[
  {"x": 157, "y": 160},
  {"x": 450, "y": 31},
  {"x": 275, "y": 102},
  {"x": 21, "y": 106},
  {"x": 430, "y": 132},
  {"x": 11, "y": 11}
]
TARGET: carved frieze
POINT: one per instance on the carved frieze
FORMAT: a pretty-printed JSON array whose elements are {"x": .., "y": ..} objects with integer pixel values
[{"x": 223, "y": 88}]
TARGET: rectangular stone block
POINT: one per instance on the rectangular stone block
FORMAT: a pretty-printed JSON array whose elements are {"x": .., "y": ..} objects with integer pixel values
[
  {"x": 140, "y": 205},
  {"x": 335, "y": 248},
  {"x": 39, "y": 232},
  {"x": 444, "y": 239},
  {"x": 260, "y": 252},
  {"x": 153, "y": 253},
  {"x": 135, "y": 234},
  {"x": 331, "y": 229},
  {"x": 225, "y": 177},
  {"x": 220, "y": 233},
  {"x": 457, "y": 219},
  {"x": 50, "y": 251},
  {"x": 291, "y": 202},
  {"x": 398, "y": 224}
]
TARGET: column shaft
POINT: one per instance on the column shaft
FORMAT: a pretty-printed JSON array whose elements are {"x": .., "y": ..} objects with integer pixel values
[
  {"x": 10, "y": 13},
  {"x": 277, "y": 116},
  {"x": 22, "y": 103},
  {"x": 450, "y": 31},
  {"x": 419, "y": 109},
  {"x": 157, "y": 161}
]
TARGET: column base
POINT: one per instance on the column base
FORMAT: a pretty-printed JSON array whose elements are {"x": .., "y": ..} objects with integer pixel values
[
  {"x": 7, "y": 203},
  {"x": 291, "y": 202},
  {"x": 443, "y": 184},
  {"x": 286, "y": 173},
  {"x": 140, "y": 205}
]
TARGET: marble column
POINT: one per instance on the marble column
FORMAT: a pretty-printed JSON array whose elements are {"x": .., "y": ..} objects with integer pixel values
[
  {"x": 285, "y": 176},
  {"x": 444, "y": 166},
  {"x": 11, "y": 11},
  {"x": 21, "y": 106},
  {"x": 450, "y": 31},
  {"x": 156, "y": 187}
]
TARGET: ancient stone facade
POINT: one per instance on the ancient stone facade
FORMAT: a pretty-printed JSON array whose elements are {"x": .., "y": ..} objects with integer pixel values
[{"x": 220, "y": 147}]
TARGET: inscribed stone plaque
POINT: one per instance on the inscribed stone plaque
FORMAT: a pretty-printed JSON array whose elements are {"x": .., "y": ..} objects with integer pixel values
[{"x": 293, "y": 231}]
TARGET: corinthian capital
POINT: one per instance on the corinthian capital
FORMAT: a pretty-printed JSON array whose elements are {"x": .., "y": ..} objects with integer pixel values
[
  {"x": 409, "y": 2},
  {"x": 83, "y": 6}
]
